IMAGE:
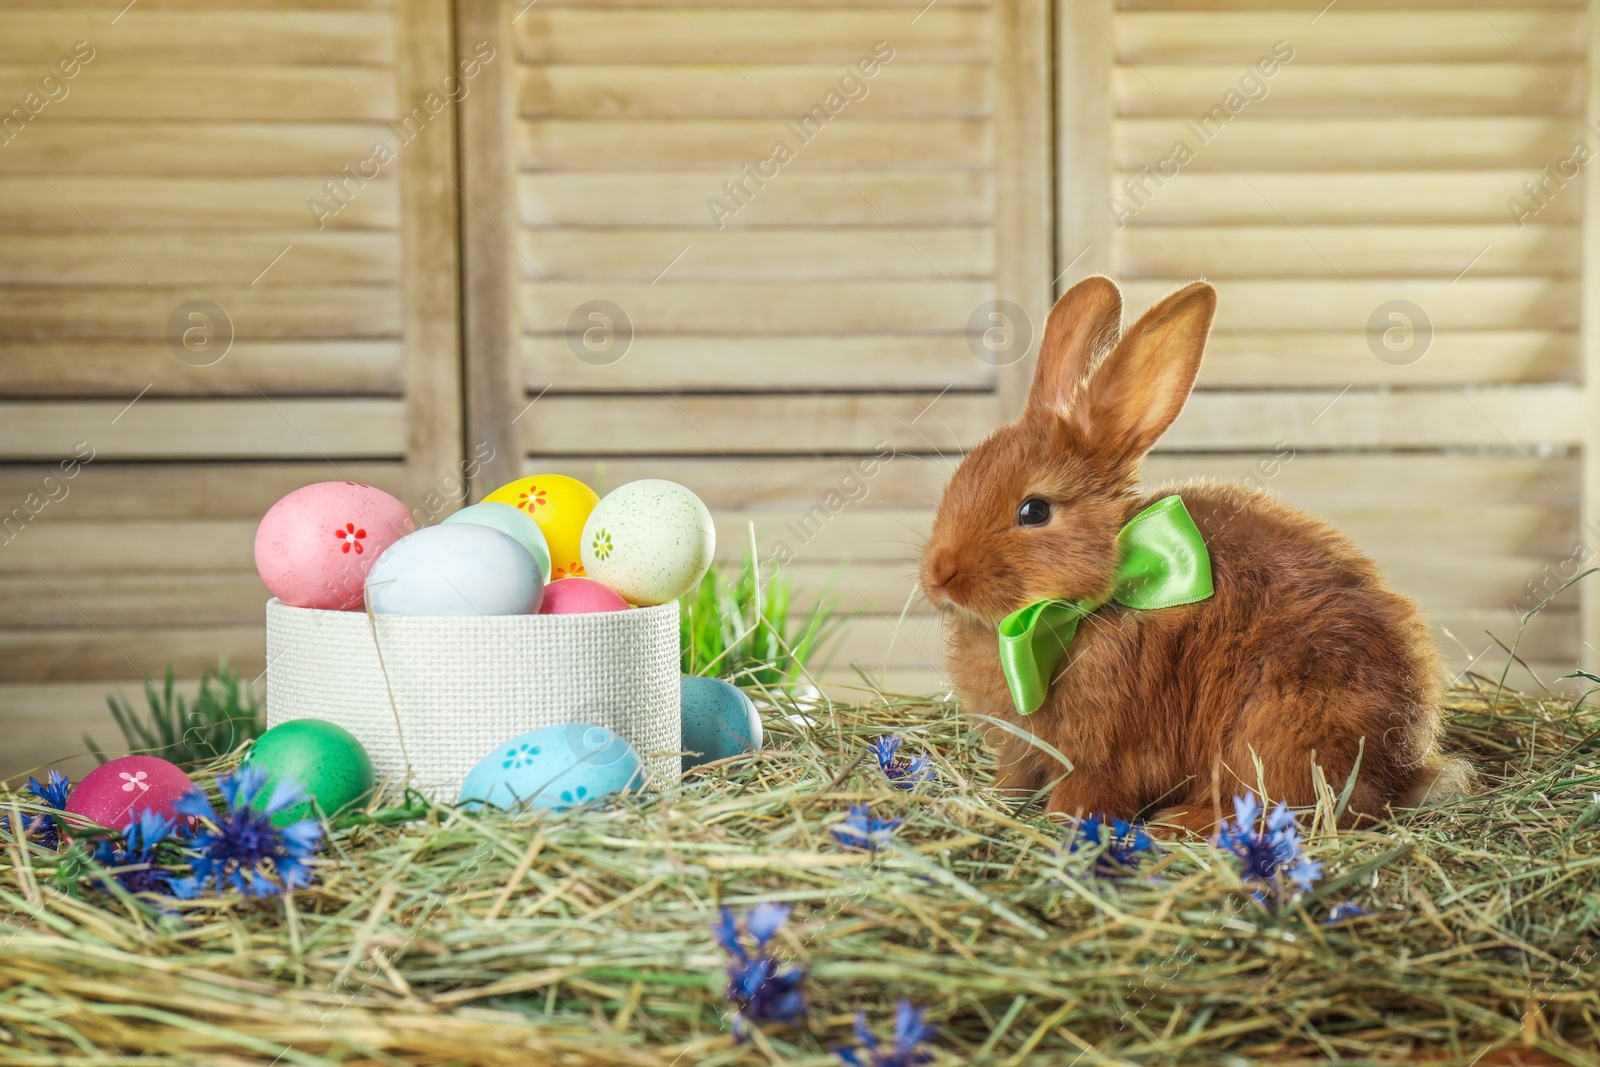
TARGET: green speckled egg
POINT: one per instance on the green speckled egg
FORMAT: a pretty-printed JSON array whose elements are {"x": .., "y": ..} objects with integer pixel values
[
  {"x": 327, "y": 760},
  {"x": 651, "y": 541}
]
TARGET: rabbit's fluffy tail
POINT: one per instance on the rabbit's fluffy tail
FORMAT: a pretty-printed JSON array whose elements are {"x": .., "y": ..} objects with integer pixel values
[{"x": 1441, "y": 778}]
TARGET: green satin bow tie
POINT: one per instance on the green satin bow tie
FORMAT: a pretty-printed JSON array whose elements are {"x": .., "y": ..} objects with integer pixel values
[{"x": 1162, "y": 562}]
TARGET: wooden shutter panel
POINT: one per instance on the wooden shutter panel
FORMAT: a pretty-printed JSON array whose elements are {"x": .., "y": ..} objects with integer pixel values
[
  {"x": 179, "y": 166},
  {"x": 1376, "y": 166},
  {"x": 829, "y": 310}
]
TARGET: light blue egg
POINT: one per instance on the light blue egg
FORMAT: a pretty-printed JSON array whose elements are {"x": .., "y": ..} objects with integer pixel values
[
  {"x": 513, "y": 522},
  {"x": 460, "y": 569},
  {"x": 554, "y": 767},
  {"x": 718, "y": 721}
]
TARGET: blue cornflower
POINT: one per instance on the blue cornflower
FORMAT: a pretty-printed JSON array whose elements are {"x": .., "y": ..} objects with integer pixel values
[
  {"x": 758, "y": 989},
  {"x": 911, "y": 1029},
  {"x": 902, "y": 772},
  {"x": 133, "y": 862},
  {"x": 44, "y": 828},
  {"x": 861, "y": 832},
  {"x": 1345, "y": 909},
  {"x": 231, "y": 852},
  {"x": 1122, "y": 846},
  {"x": 1265, "y": 857}
]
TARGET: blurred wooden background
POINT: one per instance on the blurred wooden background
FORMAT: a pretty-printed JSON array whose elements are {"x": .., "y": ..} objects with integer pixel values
[{"x": 417, "y": 326}]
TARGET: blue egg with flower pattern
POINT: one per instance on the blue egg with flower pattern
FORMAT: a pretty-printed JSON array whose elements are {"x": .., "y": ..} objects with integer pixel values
[
  {"x": 718, "y": 721},
  {"x": 554, "y": 767}
]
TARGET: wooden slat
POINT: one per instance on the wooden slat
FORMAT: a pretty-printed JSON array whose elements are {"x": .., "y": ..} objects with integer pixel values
[
  {"x": 1270, "y": 144},
  {"x": 755, "y": 307},
  {"x": 1320, "y": 482},
  {"x": 781, "y": 5},
  {"x": 1589, "y": 348},
  {"x": 858, "y": 531},
  {"x": 180, "y": 429},
  {"x": 491, "y": 312},
  {"x": 1297, "y": 7},
  {"x": 688, "y": 425},
  {"x": 180, "y": 257},
  {"x": 1550, "y": 636},
  {"x": 861, "y": 530},
  {"x": 1392, "y": 481},
  {"x": 173, "y": 492},
  {"x": 636, "y": 254},
  {"x": 314, "y": 150},
  {"x": 125, "y": 202},
  {"x": 110, "y": 8},
  {"x": 1523, "y": 530},
  {"x": 121, "y": 547},
  {"x": 45, "y": 601},
  {"x": 941, "y": 35},
  {"x": 1443, "y": 582},
  {"x": 188, "y": 91},
  {"x": 599, "y": 90},
  {"x": 430, "y": 268},
  {"x": 1301, "y": 358},
  {"x": 1024, "y": 217},
  {"x": 799, "y": 199},
  {"x": 88, "y": 312},
  {"x": 1083, "y": 138},
  {"x": 1489, "y": 34},
  {"x": 1447, "y": 583},
  {"x": 1424, "y": 418},
  {"x": 1468, "y": 304},
  {"x": 755, "y": 362},
  {"x": 797, "y": 482},
  {"x": 877, "y": 641},
  {"x": 1407, "y": 198},
  {"x": 36, "y": 37},
  {"x": 1306, "y": 251},
  {"x": 44, "y": 724},
  {"x": 1358, "y": 89},
  {"x": 80, "y": 654},
  {"x": 691, "y": 144},
  {"x": 123, "y": 368}
]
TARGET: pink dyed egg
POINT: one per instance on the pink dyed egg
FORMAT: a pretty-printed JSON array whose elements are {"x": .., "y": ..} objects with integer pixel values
[
  {"x": 113, "y": 794},
  {"x": 578, "y": 596},
  {"x": 315, "y": 546}
]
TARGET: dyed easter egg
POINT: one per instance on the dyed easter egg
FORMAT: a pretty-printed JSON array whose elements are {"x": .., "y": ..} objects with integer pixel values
[
  {"x": 326, "y": 760},
  {"x": 115, "y": 793},
  {"x": 718, "y": 721},
  {"x": 517, "y": 525},
  {"x": 650, "y": 540},
  {"x": 554, "y": 767},
  {"x": 459, "y": 569},
  {"x": 315, "y": 546},
  {"x": 579, "y": 596},
  {"x": 560, "y": 505}
]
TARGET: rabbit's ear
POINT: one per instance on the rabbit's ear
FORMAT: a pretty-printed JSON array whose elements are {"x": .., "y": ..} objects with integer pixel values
[
  {"x": 1137, "y": 391},
  {"x": 1082, "y": 325}
]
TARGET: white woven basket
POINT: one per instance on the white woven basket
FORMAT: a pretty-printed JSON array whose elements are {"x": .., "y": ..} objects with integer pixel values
[{"x": 460, "y": 685}]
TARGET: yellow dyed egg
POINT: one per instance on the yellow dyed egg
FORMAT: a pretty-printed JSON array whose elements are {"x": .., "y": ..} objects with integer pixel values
[{"x": 560, "y": 505}]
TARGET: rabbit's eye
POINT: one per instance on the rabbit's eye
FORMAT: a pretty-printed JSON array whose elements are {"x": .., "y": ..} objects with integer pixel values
[{"x": 1033, "y": 512}]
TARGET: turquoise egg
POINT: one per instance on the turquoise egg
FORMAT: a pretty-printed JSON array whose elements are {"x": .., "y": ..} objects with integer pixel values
[
  {"x": 718, "y": 721},
  {"x": 514, "y": 523},
  {"x": 554, "y": 767}
]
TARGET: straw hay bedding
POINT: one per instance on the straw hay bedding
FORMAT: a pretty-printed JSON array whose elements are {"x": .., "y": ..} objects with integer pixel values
[{"x": 581, "y": 938}]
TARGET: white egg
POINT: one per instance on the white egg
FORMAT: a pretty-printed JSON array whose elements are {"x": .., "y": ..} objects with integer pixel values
[
  {"x": 457, "y": 569},
  {"x": 650, "y": 540}
]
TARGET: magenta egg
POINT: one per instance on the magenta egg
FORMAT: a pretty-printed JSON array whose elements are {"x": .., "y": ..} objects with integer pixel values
[
  {"x": 578, "y": 596},
  {"x": 315, "y": 546},
  {"x": 115, "y": 793}
]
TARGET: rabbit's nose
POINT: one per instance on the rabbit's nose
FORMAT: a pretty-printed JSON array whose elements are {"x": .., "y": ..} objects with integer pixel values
[{"x": 942, "y": 568}]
